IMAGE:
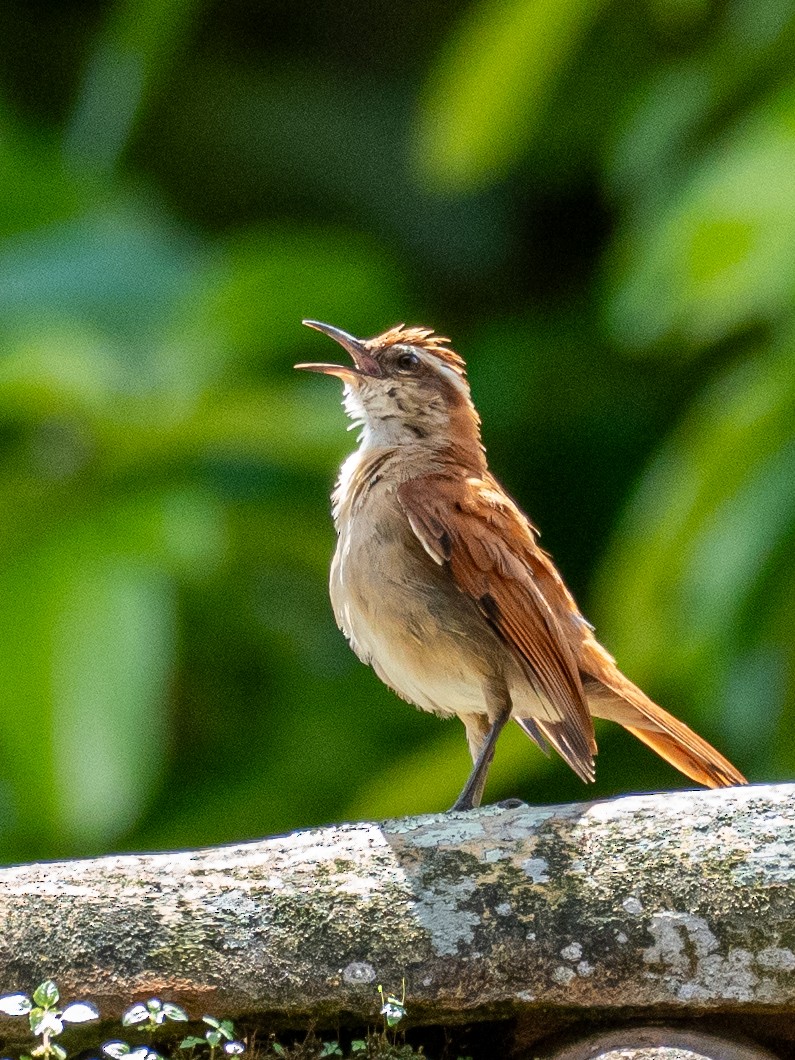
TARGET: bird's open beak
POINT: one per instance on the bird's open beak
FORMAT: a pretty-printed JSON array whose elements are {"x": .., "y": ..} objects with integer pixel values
[{"x": 363, "y": 362}]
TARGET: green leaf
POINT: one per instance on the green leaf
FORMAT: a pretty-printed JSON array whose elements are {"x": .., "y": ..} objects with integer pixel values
[
  {"x": 80, "y": 1012},
  {"x": 393, "y": 1012},
  {"x": 191, "y": 1042},
  {"x": 702, "y": 547},
  {"x": 491, "y": 84},
  {"x": 65, "y": 372},
  {"x": 44, "y": 1021},
  {"x": 690, "y": 100},
  {"x": 720, "y": 254},
  {"x": 57, "y": 1051},
  {"x": 46, "y": 994},
  {"x": 174, "y": 1012},
  {"x": 39, "y": 189},
  {"x": 651, "y": 143},
  {"x": 117, "y": 266},
  {"x": 96, "y": 602},
  {"x": 115, "y": 1049},
  {"x": 15, "y": 1004},
  {"x": 138, "y": 1013},
  {"x": 131, "y": 606},
  {"x": 133, "y": 52}
]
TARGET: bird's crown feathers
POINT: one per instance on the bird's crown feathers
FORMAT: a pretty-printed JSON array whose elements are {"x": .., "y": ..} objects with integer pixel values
[{"x": 425, "y": 339}]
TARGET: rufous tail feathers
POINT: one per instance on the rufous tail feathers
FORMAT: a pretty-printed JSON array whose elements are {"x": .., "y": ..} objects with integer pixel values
[{"x": 615, "y": 698}]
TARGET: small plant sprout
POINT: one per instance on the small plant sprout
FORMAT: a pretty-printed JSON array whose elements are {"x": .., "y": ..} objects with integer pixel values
[
  {"x": 151, "y": 1014},
  {"x": 331, "y": 1049},
  {"x": 393, "y": 1009},
  {"x": 219, "y": 1033},
  {"x": 46, "y": 1018},
  {"x": 118, "y": 1050}
]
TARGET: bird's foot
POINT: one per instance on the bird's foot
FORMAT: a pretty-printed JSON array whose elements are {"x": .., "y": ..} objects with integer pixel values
[{"x": 467, "y": 803}]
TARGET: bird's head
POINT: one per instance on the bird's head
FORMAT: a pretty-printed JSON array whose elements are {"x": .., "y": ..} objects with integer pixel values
[{"x": 405, "y": 387}]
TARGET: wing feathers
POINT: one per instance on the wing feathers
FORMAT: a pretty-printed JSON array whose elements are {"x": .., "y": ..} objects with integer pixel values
[
  {"x": 491, "y": 551},
  {"x": 492, "y": 555},
  {"x": 431, "y": 535}
]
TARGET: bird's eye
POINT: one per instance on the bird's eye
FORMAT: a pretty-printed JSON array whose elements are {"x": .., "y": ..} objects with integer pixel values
[{"x": 407, "y": 362}]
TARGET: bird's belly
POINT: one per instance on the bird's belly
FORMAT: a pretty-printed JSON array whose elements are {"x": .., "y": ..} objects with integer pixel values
[
  {"x": 403, "y": 616},
  {"x": 445, "y": 686}
]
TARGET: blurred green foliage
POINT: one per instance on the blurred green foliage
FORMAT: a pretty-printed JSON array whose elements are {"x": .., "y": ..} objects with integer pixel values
[{"x": 597, "y": 202}]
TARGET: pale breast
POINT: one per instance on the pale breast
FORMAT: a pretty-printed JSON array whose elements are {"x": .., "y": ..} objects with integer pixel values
[{"x": 403, "y": 614}]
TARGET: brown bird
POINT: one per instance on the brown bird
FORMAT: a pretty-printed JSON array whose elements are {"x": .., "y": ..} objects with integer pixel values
[{"x": 439, "y": 583}]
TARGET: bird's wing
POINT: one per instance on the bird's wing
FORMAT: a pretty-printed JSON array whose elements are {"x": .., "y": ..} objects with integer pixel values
[{"x": 489, "y": 546}]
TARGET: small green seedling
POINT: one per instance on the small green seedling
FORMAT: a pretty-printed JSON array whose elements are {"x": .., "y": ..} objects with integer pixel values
[
  {"x": 331, "y": 1049},
  {"x": 46, "y": 1018},
  {"x": 220, "y": 1033},
  {"x": 118, "y": 1050},
  {"x": 393, "y": 1009},
  {"x": 151, "y": 1014}
]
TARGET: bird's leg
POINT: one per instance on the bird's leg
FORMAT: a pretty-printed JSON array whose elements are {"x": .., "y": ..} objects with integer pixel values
[{"x": 472, "y": 791}]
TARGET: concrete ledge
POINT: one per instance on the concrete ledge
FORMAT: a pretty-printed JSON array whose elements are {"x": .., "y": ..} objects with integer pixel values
[{"x": 667, "y": 905}]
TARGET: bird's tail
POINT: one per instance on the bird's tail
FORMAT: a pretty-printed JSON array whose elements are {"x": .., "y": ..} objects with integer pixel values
[{"x": 616, "y": 698}]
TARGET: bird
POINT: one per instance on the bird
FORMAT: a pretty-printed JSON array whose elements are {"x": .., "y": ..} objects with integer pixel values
[{"x": 439, "y": 583}]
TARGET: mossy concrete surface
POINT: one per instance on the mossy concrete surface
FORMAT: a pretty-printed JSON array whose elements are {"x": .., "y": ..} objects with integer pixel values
[{"x": 666, "y": 905}]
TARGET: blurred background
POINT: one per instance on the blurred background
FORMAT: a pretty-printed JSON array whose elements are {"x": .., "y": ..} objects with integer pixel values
[{"x": 596, "y": 201}]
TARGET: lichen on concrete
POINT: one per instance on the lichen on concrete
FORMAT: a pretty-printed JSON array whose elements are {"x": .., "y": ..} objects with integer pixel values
[{"x": 665, "y": 904}]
